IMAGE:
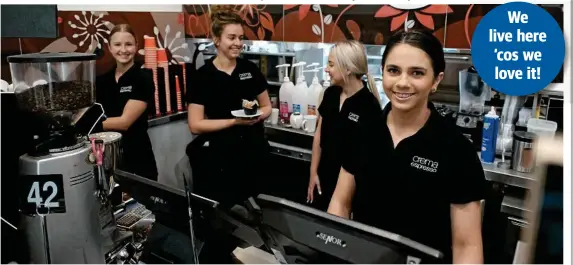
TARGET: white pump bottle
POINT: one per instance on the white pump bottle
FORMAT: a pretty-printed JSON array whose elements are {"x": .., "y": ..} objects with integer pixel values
[
  {"x": 285, "y": 95},
  {"x": 299, "y": 95},
  {"x": 325, "y": 85},
  {"x": 313, "y": 93}
]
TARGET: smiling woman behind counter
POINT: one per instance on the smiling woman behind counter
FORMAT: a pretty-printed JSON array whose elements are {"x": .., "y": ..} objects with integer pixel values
[
  {"x": 124, "y": 93},
  {"x": 238, "y": 146},
  {"x": 348, "y": 103},
  {"x": 417, "y": 176}
]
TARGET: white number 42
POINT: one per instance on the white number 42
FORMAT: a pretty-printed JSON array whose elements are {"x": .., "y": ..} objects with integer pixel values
[{"x": 34, "y": 194}]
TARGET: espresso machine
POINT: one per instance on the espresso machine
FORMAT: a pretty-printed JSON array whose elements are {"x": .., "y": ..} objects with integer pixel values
[
  {"x": 474, "y": 92},
  {"x": 60, "y": 189}
]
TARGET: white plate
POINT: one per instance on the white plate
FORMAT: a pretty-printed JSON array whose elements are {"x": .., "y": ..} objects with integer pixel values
[{"x": 241, "y": 114}]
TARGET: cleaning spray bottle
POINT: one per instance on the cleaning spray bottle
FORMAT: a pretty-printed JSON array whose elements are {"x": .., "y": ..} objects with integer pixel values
[
  {"x": 299, "y": 95},
  {"x": 313, "y": 93},
  {"x": 489, "y": 136},
  {"x": 285, "y": 95}
]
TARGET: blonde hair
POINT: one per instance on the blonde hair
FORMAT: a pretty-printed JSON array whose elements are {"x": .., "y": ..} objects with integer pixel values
[
  {"x": 221, "y": 16},
  {"x": 350, "y": 55}
]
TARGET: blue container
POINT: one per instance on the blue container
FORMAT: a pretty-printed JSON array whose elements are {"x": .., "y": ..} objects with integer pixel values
[{"x": 489, "y": 136}]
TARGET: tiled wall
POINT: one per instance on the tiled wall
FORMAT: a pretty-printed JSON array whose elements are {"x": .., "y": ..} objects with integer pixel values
[
  {"x": 84, "y": 31},
  {"x": 371, "y": 24}
]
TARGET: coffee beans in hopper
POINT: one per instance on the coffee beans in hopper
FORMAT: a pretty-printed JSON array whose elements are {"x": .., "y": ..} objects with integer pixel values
[{"x": 65, "y": 96}]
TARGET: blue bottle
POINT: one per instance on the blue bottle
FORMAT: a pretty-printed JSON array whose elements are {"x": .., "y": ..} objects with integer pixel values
[{"x": 489, "y": 136}]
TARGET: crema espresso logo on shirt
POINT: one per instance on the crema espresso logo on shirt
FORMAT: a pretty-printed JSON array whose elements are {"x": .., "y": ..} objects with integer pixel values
[
  {"x": 244, "y": 76},
  {"x": 424, "y": 164},
  {"x": 125, "y": 89},
  {"x": 353, "y": 117}
]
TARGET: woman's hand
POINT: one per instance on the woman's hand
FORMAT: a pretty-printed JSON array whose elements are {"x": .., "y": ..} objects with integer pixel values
[
  {"x": 245, "y": 122},
  {"x": 314, "y": 182}
]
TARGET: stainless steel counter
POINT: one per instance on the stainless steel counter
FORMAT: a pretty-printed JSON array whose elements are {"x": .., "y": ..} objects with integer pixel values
[
  {"x": 492, "y": 172},
  {"x": 166, "y": 119}
]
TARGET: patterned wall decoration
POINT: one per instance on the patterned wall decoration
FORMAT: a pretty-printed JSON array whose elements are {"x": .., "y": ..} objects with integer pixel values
[
  {"x": 371, "y": 24},
  {"x": 86, "y": 31}
]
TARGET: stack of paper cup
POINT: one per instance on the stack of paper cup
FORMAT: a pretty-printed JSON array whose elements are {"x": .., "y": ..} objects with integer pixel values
[
  {"x": 162, "y": 62},
  {"x": 150, "y": 52},
  {"x": 178, "y": 93},
  {"x": 183, "y": 67},
  {"x": 151, "y": 63}
]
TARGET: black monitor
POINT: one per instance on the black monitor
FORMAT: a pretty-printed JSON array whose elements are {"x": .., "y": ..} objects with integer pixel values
[
  {"x": 170, "y": 206},
  {"x": 164, "y": 200},
  {"x": 300, "y": 234}
]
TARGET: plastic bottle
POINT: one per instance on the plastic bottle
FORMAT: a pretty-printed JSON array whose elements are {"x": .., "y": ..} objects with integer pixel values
[
  {"x": 313, "y": 94},
  {"x": 325, "y": 85},
  {"x": 285, "y": 96},
  {"x": 489, "y": 137},
  {"x": 299, "y": 95}
]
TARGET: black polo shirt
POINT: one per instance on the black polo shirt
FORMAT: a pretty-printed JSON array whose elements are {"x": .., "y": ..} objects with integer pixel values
[
  {"x": 137, "y": 84},
  {"x": 221, "y": 93},
  {"x": 408, "y": 190},
  {"x": 339, "y": 128}
]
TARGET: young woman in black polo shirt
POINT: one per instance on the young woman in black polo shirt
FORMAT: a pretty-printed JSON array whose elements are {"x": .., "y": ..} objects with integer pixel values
[
  {"x": 416, "y": 175},
  {"x": 124, "y": 93},
  {"x": 238, "y": 148},
  {"x": 346, "y": 104}
]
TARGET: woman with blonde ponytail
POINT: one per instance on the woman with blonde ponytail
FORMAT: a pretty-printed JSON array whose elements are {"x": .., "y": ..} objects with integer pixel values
[
  {"x": 216, "y": 90},
  {"x": 348, "y": 104}
]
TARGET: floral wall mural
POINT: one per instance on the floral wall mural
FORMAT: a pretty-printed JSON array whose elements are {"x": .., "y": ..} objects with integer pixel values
[
  {"x": 371, "y": 24},
  {"x": 86, "y": 31}
]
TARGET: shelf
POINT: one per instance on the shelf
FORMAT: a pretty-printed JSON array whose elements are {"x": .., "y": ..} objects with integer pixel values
[
  {"x": 274, "y": 83},
  {"x": 553, "y": 89},
  {"x": 288, "y": 54},
  {"x": 286, "y": 129}
]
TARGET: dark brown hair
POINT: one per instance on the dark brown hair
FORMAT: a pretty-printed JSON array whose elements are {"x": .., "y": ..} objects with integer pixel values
[
  {"x": 221, "y": 16},
  {"x": 122, "y": 28},
  {"x": 421, "y": 39}
]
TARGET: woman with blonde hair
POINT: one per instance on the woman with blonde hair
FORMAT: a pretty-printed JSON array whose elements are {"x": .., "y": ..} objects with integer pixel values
[
  {"x": 124, "y": 93},
  {"x": 237, "y": 146},
  {"x": 348, "y": 104}
]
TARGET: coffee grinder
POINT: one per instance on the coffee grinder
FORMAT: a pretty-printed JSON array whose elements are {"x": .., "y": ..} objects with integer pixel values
[
  {"x": 60, "y": 194},
  {"x": 473, "y": 95}
]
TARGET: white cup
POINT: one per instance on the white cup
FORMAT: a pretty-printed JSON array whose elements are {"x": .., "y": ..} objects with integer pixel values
[
  {"x": 275, "y": 116},
  {"x": 309, "y": 123}
]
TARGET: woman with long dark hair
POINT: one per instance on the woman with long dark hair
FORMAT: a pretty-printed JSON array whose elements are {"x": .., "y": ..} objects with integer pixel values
[{"x": 419, "y": 177}]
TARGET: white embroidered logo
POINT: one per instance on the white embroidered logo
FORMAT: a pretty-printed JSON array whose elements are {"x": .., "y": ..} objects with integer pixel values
[
  {"x": 328, "y": 239},
  {"x": 424, "y": 164},
  {"x": 245, "y": 76},
  {"x": 353, "y": 117},
  {"x": 125, "y": 89}
]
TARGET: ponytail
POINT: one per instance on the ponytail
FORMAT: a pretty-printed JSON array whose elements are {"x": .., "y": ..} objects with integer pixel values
[{"x": 373, "y": 87}]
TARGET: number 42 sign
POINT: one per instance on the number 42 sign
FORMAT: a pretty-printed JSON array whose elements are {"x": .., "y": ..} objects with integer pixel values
[{"x": 42, "y": 194}]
